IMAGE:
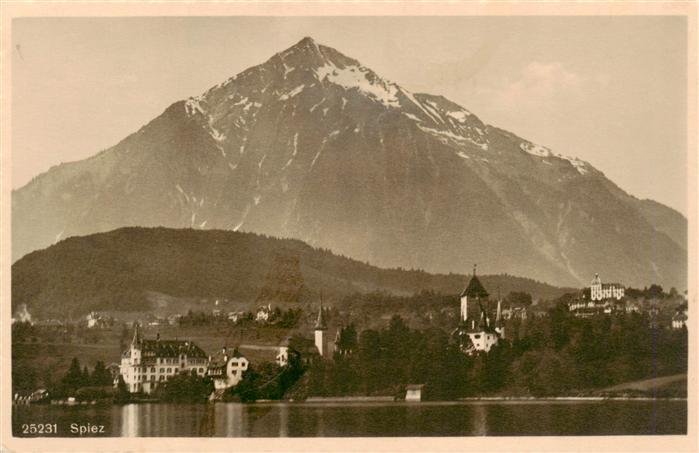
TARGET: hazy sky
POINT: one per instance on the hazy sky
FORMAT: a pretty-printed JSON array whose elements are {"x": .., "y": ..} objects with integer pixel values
[{"x": 610, "y": 90}]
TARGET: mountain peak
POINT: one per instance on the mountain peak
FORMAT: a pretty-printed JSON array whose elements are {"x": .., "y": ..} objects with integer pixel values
[
  {"x": 307, "y": 41},
  {"x": 307, "y": 47}
]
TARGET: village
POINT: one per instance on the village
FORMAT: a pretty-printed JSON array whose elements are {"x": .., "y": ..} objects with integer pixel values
[{"x": 484, "y": 322}]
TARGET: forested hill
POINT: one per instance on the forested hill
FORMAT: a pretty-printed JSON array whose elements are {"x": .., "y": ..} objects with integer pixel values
[{"x": 117, "y": 270}]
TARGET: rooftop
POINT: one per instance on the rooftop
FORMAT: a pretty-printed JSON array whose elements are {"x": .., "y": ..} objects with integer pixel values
[{"x": 475, "y": 289}]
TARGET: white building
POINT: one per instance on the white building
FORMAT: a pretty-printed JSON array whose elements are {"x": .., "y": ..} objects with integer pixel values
[
  {"x": 263, "y": 313},
  {"x": 282, "y": 357},
  {"x": 413, "y": 392},
  {"x": 235, "y": 316},
  {"x": 485, "y": 334},
  {"x": 320, "y": 329},
  {"x": 148, "y": 363},
  {"x": 92, "y": 320},
  {"x": 601, "y": 298},
  {"x": 679, "y": 320},
  {"x": 226, "y": 369},
  {"x": 97, "y": 321},
  {"x": 514, "y": 313},
  {"x": 603, "y": 291}
]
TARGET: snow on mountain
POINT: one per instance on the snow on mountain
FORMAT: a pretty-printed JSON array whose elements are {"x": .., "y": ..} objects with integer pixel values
[{"x": 311, "y": 144}]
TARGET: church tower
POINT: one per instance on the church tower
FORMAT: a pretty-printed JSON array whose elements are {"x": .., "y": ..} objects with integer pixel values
[
  {"x": 474, "y": 293},
  {"x": 320, "y": 329},
  {"x": 136, "y": 342}
]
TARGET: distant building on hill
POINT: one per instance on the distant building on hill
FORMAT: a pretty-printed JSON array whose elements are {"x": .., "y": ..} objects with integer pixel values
[
  {"x": 235, "y": 316},
  {"x": 484, "y": 333},
  {"x": 514, "y": 313},
  {"x": 96, "y": 321},
  {"x": 679, "y": 320},
  {"x": 149, "y": 363},
  {"x": 603, "y": 291},
  {"x": 632, "y": 307},
  {"x": 263, "y": 313},
  {"x": 601, "y": 299}
]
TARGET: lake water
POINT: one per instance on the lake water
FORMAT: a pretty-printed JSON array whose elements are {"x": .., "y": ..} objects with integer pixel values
[{"x": 473, "y": 418}]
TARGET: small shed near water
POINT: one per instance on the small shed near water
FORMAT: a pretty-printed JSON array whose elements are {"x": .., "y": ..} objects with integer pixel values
[{"x": 413, "y": 392}]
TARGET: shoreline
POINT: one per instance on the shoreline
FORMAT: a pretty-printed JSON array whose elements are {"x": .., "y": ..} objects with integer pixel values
[{"x": 350, "y": 401}]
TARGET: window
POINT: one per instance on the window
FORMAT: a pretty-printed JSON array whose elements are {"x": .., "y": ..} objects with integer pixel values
[
  {"x": 476, "y": 337},
  {"x": 169, "y": 370},
  {"x": 162, "y": 370}
]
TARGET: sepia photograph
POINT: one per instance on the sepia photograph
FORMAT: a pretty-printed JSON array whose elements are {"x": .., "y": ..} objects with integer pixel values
[{"x": 349, "y": 226}]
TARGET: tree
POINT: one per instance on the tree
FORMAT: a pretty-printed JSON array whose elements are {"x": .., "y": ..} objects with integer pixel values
[
  {"x": 23, "y": 378},
  {"x": 369, "y": 358},
  {"x": 262, "y": 382},
  {"x": 85, "y": 377},
  {"x": 186, "y": 388},
  {"x": 347, "y": 342},
  {"x": 100, "y": 375},
  {"x": 122, "y": 394},
  {"x": 519, "y": 299},
  {"x": 559, "y": 326},
  {"x": 74, "y": 377},
  {"x": 655, "y": 292}
]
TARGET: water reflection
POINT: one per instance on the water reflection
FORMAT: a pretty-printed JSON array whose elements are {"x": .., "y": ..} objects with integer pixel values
[
  {"x": 396, "y": 419},
  {"x": 480, "y": 424},
  {"x": 130, "y": 420},
  {"x": 283, "y": 420}
]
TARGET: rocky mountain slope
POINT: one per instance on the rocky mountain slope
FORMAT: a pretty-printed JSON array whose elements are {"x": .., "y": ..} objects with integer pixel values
[{"x": 313, "y": 145}]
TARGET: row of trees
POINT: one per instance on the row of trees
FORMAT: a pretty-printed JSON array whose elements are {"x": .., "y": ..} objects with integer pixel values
[
  {"x": 556, "y": 355},
  {"x": 185, "y": 388},
  {"x": 653, "y": 291},
  {"x": 79, "y": 382}
]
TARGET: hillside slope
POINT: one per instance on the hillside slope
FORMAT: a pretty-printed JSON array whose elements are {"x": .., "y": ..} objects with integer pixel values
[{"x": 119, "y": 270}]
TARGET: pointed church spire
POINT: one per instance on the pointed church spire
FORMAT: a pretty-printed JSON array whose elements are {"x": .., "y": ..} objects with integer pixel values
[
  {"x": 136, "y": 335},
  {"x": 475, "y": 289},
  {"x": 320, "y": 322}
]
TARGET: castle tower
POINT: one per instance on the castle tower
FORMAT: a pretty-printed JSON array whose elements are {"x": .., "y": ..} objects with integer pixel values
[
  {"x": 136, "y": 342},
  {"x": 596, "y": 288},
  {"x": 474, "y": 292},
  {"x": 320, "y": 329}
]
